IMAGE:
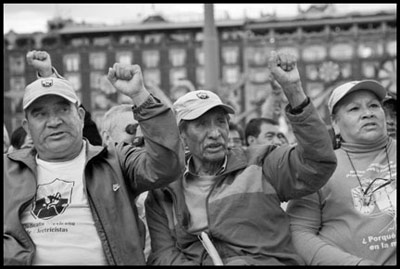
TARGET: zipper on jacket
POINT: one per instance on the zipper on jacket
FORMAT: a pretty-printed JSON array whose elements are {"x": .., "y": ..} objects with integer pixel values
[
  {"x": 22, "y": 208},
  {"x": 94, "y": 211}
]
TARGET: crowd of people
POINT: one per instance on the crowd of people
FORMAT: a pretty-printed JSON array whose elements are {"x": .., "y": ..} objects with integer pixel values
[{"x": 182, "y": 184}]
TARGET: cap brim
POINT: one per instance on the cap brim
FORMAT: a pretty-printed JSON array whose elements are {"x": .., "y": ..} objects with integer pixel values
[
  {"x": 201, "y": 110},
  {"x": 368, "y": 85},
  {"x": 72, "y": 100}
]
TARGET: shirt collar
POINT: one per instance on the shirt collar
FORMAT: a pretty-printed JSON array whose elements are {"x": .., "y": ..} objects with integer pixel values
[{"x": 189, "y": 162}]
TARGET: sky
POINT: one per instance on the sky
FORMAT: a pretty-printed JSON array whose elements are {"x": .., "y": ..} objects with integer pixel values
[{"x": 28, "y": 18}]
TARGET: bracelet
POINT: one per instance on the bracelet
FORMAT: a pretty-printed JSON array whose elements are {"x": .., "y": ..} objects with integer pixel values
[{"x": 298, "y": 109}]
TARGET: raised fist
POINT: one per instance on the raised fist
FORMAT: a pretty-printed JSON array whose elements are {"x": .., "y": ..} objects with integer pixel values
[
  {"x": 127, "y": 79},
  {"x": 41, "y": 61}
]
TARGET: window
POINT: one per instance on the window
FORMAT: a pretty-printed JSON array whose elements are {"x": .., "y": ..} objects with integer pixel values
[
  {"x": 129, "y": 39},
  {"x": 341, "y": 51},
  {"x": 71, "y": 62},
  {"x": 124, "y": 57},
  {"x": 176, "y": 74},
  {"x": 314, "y": 53},
  {"x": 97, "y": 60},
  {"x": 200, "y": 56},
  {"x": 151, "y": 58},
  {"x": 370, "y": 49},
  {"x": 17, "y": 84},
  {"x": 152, "y": 75},
  {"x": 102, "y": 41},
  {"x": 17, "y": 65},
  {"x": 230, "y": 55},
  {"x": 259, "y": 75},
  {"x": 153, "y": 38},
  {"x": 257, "y": 55},
  {"x": 231, "y": 74},
  {"x": 75, "y": 80},
  {"x": 95, "y": 80},
  {"x": 391, "y": 47},
  {"x": 79, "y": 42},
  {"x": 180, "y": 37},
  {"x": 177, "y": 57}
]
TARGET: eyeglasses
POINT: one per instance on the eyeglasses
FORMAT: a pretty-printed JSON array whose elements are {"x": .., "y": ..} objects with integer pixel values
[
  {"x": 371, "y": 189},
  {"x": 131, "y": 128}
]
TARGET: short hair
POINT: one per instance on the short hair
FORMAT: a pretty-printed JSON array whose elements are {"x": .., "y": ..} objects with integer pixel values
[
  {"x": 18, "y": 137},
  {"x": 235, "y": 127},
  {"x": 253, "y": 127},
  {"x": 112, "y": 115}
]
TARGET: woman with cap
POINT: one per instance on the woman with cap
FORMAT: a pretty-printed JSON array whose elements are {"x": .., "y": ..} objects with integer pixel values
[
  {"x": 352, "y": 219},
  {"x": 225, "y": 209}
]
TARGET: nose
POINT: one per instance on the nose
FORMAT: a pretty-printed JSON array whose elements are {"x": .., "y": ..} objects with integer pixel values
[
  {"x": 277, "y": 141},
  {"x": 53, "y": 120}
]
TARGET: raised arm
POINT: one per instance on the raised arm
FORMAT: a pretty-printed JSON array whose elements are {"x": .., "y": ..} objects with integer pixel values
[
  {"x": 305, "y": 168},
  {"x": 161, "y": 160}
]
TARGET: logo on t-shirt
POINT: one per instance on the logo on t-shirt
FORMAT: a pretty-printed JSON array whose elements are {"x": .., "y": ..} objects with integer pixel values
[{"x": 52, "y": 199}]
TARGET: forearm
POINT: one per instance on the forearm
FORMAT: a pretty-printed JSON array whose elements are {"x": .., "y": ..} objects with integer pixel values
[
  {"x": 313, "y": 158},
  {"x": 315, "y": 251},
  {"x": 162, "y": 160}
]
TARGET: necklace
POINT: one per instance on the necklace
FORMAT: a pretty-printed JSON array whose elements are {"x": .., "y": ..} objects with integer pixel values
[{"x": 368, "y": 196}]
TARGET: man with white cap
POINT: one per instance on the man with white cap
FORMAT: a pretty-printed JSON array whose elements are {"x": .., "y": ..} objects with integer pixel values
[
  {"x": 352, "y": 219},
  {"x": 228, "y": 200},
  {"x": 67, "y": 202}
]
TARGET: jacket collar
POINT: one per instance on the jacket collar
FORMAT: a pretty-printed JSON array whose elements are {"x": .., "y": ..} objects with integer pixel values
[{"x": 27, "y": 155}]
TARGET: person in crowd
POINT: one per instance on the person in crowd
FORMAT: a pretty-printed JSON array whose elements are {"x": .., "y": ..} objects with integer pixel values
[
  {"x": 260, "y": 131},
  {"x": 390, "y": 108},
  {"x": 119, "y": 126},
  {"x": 20, "y": 139},
  {"x": 273, "y": 108},
  {"x": 235, "y": 138},
  {"x": 6, "y": 139},
  {"x": 69, "y": 202},
  {"x": 352, "y": 219},
  {"x": 226, "y": 207}
]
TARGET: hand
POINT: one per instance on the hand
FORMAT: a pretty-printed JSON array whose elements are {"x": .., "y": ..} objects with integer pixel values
[
  {"x": 127, "y": 79},
  {"x": 284, "y": 70},
  {"x": 41, "y": 61}
]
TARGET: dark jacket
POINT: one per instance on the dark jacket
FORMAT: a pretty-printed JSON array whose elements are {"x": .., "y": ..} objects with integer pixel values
[
  {"x": 134, "y": 170},
  {"x": 245, "y": 220}
]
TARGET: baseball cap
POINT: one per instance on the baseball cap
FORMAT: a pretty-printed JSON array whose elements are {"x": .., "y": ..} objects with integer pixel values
[
  {"x": 194, "y": 104},
  {"x": 48, "y": 86},
  {"x": 343, "y": 90}
]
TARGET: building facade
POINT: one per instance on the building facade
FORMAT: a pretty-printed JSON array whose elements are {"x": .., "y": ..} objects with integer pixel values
[{"x": 331, "y": 48}]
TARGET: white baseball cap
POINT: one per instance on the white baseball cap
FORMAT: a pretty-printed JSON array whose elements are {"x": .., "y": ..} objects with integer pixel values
[
  {"x": 194, "y": 104},
  {"x": 49, "y": 86},
  {"x": 343, "y": 90}
]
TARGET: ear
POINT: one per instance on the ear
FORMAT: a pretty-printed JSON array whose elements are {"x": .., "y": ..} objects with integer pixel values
[
  {"x": 250, "y": 140},
  {"x": 335, "y": 126},
  {"x": 105, "y": 137},
  {"x": 26, "y": 127},
  {"x": 81, "y": 113}
]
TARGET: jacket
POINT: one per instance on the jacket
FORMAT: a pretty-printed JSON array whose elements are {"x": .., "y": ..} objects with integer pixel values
[
  {"x": 131, "y": 170},
  {"x": 245, "y": 220}
]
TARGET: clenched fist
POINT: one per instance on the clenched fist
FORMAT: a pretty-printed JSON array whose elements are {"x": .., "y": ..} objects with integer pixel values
[
  {"x": 128, "y": 79},
  {"x": 284, "y": 70},
  {"x": 41, "y": 61}
]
